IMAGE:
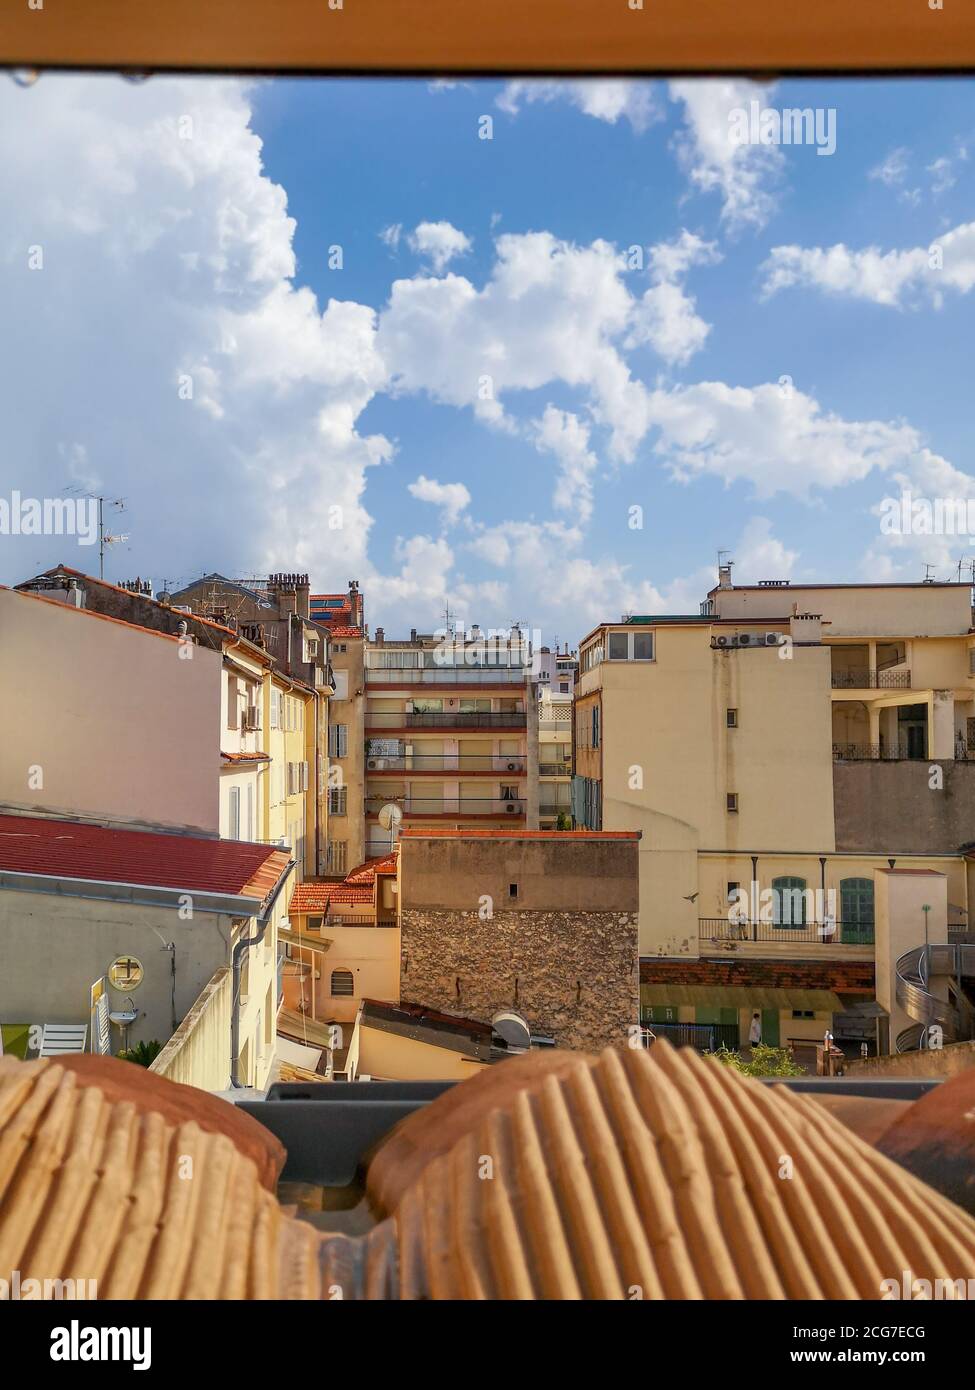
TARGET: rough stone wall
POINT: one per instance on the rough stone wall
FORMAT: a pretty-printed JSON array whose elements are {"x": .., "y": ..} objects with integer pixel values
[
  {"x": 572, "y": 974},
  {"x": 890, "y": 807}
]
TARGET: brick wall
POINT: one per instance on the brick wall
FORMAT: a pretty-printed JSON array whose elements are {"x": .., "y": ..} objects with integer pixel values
[
  {"x": 846, "y": 977},
  {"x": 572, "y": 974}
]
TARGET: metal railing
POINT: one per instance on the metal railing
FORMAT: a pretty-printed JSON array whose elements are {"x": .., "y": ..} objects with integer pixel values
[
  {"x": 555, "y": 769},
  {"x": 515, "y": 763},
  {"x": 721, "y": 930},
  {"x": 868, "y": 678},
  {"x": 705, "y": 1037},
  {"x": 430, "y": 719},
  {"x": 912, "y": 972},
  {"x": 450, "y": 805},
  {"x": 875, "y": 752},
  {"x": 551, "y": 808},
  {"x": 446, "y": 675}
]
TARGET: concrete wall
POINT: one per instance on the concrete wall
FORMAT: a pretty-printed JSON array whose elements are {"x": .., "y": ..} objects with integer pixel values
[
  {"x": 391, "y": 1057},
  {"x": 123, "y": 724},
  {"x": 888, "y": 610},
  {"x": 54, "y": 948},
  {"x": 565, "y": 872},
  {"x": 198, "y": 1053},
  {"x": 936, "y": 1062},
  {"x": 891, "y": 807}
]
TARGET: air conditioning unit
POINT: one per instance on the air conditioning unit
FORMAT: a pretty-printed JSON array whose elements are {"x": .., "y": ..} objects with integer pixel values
[
  {"x": 721, "y": 641},
  {"x": 745, "y": 639},
  {"x": 373, "y": 763},
  {"x": 773, "y": 639},
  {"x": 252, "y": 717},
  {"x": 512, "y": 767},
  {"x": 511, "y": 806}
]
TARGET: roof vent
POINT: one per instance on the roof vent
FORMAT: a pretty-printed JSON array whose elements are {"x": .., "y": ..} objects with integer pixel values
[{"x": 774, "y": 583}]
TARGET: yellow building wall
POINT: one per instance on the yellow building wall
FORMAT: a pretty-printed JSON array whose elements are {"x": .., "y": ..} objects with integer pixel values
[{"x": 388, "y": 1056}]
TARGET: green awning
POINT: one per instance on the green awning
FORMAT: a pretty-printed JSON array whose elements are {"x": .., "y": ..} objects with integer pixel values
[{"x": 821, "y": 1001}]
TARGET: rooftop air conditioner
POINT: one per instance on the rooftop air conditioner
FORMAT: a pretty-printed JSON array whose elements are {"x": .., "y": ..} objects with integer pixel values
[
  {"x": 773, "y": 639},
  {"x": 511, "y": 806},
  {"x": 745, "y": 639},
  {"x": 721, "y": 641},
  {"x": 512, "y": 767}
]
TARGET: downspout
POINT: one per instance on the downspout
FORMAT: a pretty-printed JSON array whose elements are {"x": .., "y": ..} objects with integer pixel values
[{"x": 238, "y": 955}]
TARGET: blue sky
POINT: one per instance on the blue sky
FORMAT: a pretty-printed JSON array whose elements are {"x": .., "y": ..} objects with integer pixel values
[{"x": 784, "y": 358}]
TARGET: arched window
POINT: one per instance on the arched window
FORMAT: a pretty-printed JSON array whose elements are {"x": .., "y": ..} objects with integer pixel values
[
  {"x": 342, "y": 984},
  {"x": 856, "y": 911},
  {"x": 789, "y": 902}
]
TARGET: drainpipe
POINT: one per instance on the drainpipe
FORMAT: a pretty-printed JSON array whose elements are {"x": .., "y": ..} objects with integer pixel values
[{"x": 244, "y": 945}]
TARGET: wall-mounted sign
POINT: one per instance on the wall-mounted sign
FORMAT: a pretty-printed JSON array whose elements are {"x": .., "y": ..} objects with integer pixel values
[{"x": 125, "y": 973}]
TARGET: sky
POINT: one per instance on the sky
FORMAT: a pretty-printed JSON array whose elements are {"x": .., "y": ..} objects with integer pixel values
[{"x": 531, "y": 352}]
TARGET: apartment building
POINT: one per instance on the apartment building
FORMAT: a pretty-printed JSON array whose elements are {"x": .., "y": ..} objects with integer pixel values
[
  {"x": 797, "y": 758},
  {"x": 446, "y": 733},
  {"x": 346, "y": 751},
  {"x": 554, "y": 684}
]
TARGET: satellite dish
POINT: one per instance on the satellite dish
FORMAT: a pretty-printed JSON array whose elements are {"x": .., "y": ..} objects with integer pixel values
[
  {"x": 514, "y": 1029},
  {"x": 390, "y": 816}
]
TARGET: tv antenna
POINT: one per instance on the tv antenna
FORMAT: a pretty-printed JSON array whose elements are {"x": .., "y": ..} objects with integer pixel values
[{"x": 104, "y": 538}]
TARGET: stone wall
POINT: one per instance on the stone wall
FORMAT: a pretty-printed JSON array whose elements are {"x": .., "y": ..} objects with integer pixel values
[
  {"x": 572, "y": 974},
  {"x": 938, "y": 1062}
]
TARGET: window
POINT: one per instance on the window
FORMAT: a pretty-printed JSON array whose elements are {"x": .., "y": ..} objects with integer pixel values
[
  {"x": 337, "y": 797},
  {"x": 338, "y": 741},
  {"x": 233, "y": 710},
  {"x": 336, "y": 855},
  {"x": 731, "y": 715},
  {"x": 512, "y": 890},
  {"x": 343, "y": 985},
  {"x": 732, "y": 889},
  {"x": 856, "y": 910},
  {"x": 803, "y": 1013},
  {"x": 971, "y": 661},
  {"x": 619, "y": 646},
  {"x": 275, "y": 708},
  {"x": 789, "y": 902},
  {"x": 594, "y": 742},
  {"x": 731, "y": 803},
  {"x": 234, "y": 829},
  {"x": 314, "y": 923},
  {"x": 341, "y": 685},
  {"x": 643, "y": 646}
]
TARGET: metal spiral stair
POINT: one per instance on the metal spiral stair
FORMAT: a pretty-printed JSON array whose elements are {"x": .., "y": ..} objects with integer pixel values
[{"x": 913, "y": 972}]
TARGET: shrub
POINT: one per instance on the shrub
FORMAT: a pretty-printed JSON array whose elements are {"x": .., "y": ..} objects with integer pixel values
[{"x": 765, "y": 1061}]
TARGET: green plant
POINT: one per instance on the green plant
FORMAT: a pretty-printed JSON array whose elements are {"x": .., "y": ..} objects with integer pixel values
[
  {"x": 563, "y": 822},
  {"x": 143, "y": 1054},
  {"x": 764, "y": 1061}
]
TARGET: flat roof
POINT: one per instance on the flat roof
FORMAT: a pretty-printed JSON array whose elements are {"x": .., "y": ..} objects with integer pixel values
[
  {"x": 894, "y": 584},
  {"x": 434, "y": 834}
]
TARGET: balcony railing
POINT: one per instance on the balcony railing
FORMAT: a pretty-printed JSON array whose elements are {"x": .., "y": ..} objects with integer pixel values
[
  {"x": 873, "y": 752},
  {"x": 555, "y": 769},
  {"x": 450, "y": 805},
  {"x": 705, "y": 1037},
  {"x": 423, "y": 719},
  {"x": 461, "y": 763},
  {"x": 446, "y": 675},
  {"x": 552, "y": 808},
  {"x": 721, "y": 931},
  {"x": 864, "y": 678}
]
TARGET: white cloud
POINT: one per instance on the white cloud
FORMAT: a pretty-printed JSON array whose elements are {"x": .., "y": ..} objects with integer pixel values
[
  {"x": 892, "y": 170},
  {"x": 390, "y": 236},
  {"x": 667, "y": 317},
  {"x": 774, "y": 437},
  {"x": 550, "y": 311},
  {"x": 944, "y": 170},
  {"x": 884, "y": 277},
  {"x": 440, "y": 242},
  {"x": 453, "y": 498},
  {"x": 607, "y": 99},
  {"x": 563, "y": 434},
  {"x": 740, "y": 173}
]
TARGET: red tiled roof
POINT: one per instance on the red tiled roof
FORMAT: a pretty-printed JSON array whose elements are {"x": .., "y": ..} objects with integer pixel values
[
  {"x": 67, "y": 849},
  {"x": 246, "y": 757},
  {"x": 435, "y": 834},
  {"x": 314, "y": 894},
  {"x": 356, "y": 887},
  {"x": 345, "y": 631},
  {"x": 104, "y": 584}
]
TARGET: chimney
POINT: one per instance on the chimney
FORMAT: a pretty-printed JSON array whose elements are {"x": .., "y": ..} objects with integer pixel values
[
  {"x": 724, "y": 575},
  {"x": 380, "y": 636},
  {"x": 355, "y": 604},
  {"x": 412, "y": 634}
]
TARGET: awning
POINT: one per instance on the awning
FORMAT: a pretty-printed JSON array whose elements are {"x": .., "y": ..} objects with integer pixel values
[
  {"x": 821, "y": 1001},
  {"x": 306, "y": 942}
]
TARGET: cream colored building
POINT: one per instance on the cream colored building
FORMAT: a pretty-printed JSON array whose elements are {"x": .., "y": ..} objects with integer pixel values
[{"x": 782, "y": 751}]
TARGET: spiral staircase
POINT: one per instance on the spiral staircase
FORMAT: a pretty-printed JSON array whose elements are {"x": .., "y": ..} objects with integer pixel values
[{"x": 914, "y": 971}]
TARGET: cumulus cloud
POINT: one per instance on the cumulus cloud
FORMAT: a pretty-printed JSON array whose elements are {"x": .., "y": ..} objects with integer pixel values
[
  {"x": 563, "y": 434},
  {"x": 667, "y": 315},
  {"x": 743, "y": 175},
  {"x": 893, "y": 278},
  {"x": 439, "y": 242},
  {"x": 607, "y": 99},
  {"x": 452, "y": 498}
]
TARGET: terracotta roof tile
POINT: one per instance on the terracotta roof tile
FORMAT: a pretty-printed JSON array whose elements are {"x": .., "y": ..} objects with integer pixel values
[{"x": 96, "y": 853}]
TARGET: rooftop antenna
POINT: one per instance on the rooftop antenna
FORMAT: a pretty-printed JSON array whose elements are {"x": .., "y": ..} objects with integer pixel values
[
  {"x": 103, "y": 536},
  {"x": 928, "y": 576}
]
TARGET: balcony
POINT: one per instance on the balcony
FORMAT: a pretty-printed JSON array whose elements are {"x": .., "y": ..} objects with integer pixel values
[
  {"x": 446, "y": 675},
  {"x": 863, "y": 678},
  {"x": 510, "y": 806},
  {"x": 424, "y": 719},
  {"x": 555, "y": 769},
  {"x": 439, "y": 763},
  {"x": 703, "y": 1037},
  {"x": 721, "y": 931},
  {"x": 877, "y": 752}
]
